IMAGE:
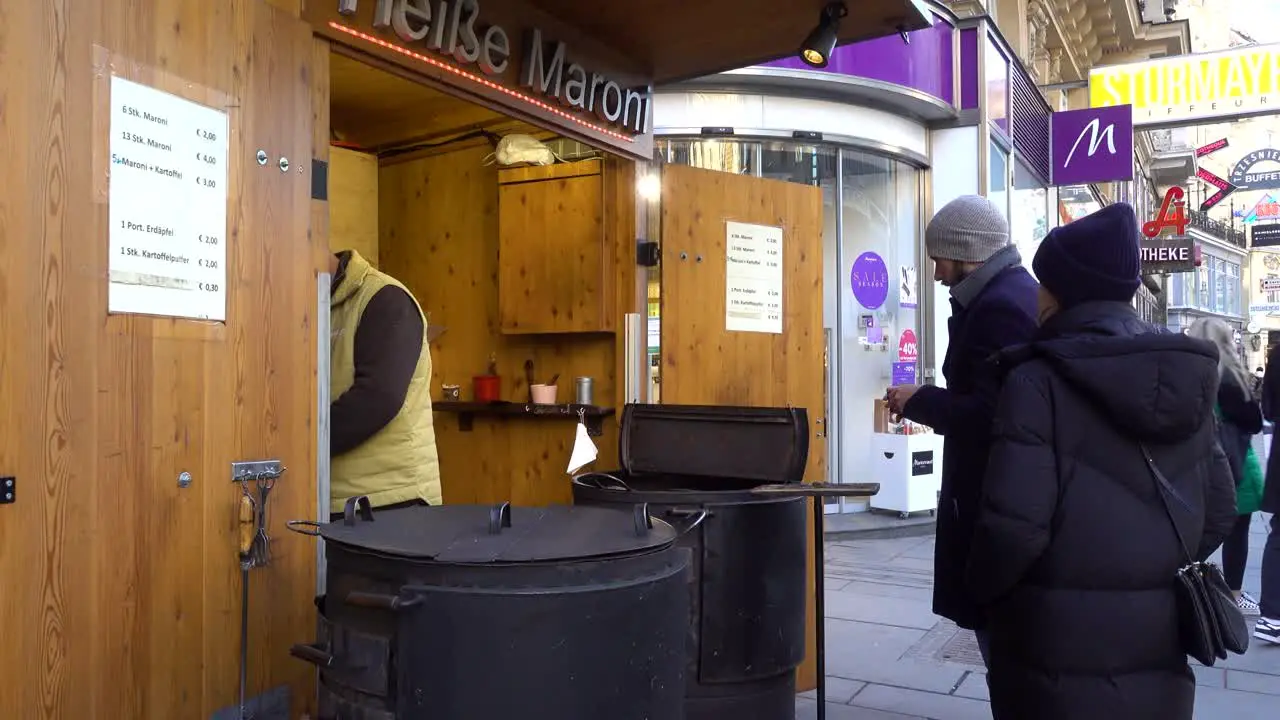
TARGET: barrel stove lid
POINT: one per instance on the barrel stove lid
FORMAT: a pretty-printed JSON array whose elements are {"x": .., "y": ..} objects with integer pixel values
[
  {"x": 730, "y": 443},
  {"x": 483, "y": 534}
]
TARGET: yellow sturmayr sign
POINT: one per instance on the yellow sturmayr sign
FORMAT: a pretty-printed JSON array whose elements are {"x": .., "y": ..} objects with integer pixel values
[{"x": 1208, "y": 86}]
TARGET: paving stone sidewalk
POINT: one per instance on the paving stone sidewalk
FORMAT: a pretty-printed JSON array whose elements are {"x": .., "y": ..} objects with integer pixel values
[{"x": 890, "y": 658}]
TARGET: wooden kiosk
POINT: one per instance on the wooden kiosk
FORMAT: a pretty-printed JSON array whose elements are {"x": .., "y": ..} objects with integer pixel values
[{"x": 135, "y": 372}]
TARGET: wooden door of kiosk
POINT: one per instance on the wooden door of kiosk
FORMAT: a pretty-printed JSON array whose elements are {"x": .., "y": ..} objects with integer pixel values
[
  {"x": 703, "y": 363},
  {"x": 121, "y": 591}
]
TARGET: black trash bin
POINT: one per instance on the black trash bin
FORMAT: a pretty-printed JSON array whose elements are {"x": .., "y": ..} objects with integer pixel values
[{"x": 747, "y": 620}]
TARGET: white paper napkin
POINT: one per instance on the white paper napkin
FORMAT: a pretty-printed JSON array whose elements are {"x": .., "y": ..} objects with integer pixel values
[{"x": 584, "y": 450}]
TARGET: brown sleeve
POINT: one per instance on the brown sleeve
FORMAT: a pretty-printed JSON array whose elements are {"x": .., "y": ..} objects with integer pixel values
[{"x": 388, "y": 344}]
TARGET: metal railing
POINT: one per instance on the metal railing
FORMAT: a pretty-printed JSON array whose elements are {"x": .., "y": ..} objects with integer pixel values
[{"x": 1216, "y": 228}]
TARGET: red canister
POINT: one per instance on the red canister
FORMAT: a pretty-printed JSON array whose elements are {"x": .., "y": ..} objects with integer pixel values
[{"x": 487, "y": 388}]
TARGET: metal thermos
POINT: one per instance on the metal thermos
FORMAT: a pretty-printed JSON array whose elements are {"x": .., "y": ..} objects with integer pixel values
[{"x": 583, "y": 391}]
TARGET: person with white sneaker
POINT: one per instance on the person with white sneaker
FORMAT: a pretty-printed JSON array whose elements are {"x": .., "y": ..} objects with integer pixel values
[
  {"x": 1268, "y": 627},
  {"x": 1239, "y": 418}
]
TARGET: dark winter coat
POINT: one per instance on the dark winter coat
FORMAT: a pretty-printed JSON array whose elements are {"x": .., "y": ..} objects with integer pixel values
[
  {"x": 1271, "y": 409},
  {"x": 1074, "y": 557},
  {"x": 1000, "y": 314}
]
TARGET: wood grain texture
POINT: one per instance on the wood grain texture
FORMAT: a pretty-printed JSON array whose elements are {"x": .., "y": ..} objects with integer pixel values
[
  {"x": 353, "y": 202},
  {"x": 704, "y": 364},
  {"x": 376, "y": 108},
  {"x": 555, "y": 270},
  {"x": 439, "y": 236},
  {"x": 124, "y": 592}
]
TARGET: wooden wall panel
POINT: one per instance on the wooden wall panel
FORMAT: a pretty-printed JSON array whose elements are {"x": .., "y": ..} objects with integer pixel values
[
  {"x": 555, "y": 273},
  {"x": 439, "y": 235},
  {"x": 353, "y": 202},
  {"x": 702, "y": 363},
  {"x": 123, "y": 598}
]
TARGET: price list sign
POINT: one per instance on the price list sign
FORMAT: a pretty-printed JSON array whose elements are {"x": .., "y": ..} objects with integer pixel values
[
  {"x": 753, "y": 278},
  {"x": 168, "y": 205}
]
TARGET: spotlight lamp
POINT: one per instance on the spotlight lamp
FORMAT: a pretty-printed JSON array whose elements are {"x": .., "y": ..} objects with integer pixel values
[{"x": 817, "y": 48}]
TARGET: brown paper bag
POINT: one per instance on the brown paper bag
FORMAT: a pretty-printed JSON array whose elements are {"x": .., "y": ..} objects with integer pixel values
[{"x": 880, "y": 420}]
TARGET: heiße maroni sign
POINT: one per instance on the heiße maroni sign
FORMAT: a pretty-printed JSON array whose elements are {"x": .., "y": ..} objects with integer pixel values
[{"x": 558, "y": 74}]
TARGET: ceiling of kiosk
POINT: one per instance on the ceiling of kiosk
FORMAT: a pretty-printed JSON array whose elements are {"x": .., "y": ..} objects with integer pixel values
[
  {"x": 376, "y": 109},
  {"x": 680, "y": 39}
]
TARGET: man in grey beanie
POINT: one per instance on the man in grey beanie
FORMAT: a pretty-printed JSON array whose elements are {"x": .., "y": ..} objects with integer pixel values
[{"x": 993, "y": 306}]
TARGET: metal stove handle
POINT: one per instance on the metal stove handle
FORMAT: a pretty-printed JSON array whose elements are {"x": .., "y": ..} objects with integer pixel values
[
  {"x": 299, "y": 526},
  {"x": 381, "y": 602},
  {"x": 314, "y": 654},
  {"x": 643, "y": 520},
  {"x": 593, "y": 479},
  {"x": 355, "y": 504},
  {"x": 698, "y": 515},
  {"x": 499, "y": 517}
]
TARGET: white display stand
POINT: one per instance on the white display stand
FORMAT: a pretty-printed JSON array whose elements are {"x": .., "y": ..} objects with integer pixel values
[{"x": 909, "y": 470}]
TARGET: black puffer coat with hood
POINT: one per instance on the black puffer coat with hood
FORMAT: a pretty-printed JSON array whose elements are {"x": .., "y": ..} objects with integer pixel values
[{"x": 1074, "y": 556}]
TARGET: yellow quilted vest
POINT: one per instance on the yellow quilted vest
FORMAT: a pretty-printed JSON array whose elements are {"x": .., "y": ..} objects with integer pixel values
[{"x": 399, "y": 463}]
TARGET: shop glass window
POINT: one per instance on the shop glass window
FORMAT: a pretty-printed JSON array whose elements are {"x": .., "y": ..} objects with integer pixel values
[
  {"x": 1076, "y": 201},
  {"x": 731, "y": 156},
  {"x": 1233, "y": 288},
  {"x": 997, "y": 69},
  {"x": 1177, "y": 290},
  {"x": 817, "y": 166},
  {"x": 1220, "y": 303},
  {"x": 998, "y": 178},
  {"x": 1030, "y": 214},
  {"x": 879, "y": 219}
]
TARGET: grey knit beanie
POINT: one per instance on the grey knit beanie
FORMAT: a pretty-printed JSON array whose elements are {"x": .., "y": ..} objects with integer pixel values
[{"x": 967, "y": 229}]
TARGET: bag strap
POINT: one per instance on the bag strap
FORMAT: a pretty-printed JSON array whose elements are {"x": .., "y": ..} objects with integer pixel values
[{"x": 1165, "y": 490}]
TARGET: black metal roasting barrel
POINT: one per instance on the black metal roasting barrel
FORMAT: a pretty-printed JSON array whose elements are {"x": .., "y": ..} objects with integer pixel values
[
  {"x": 489, "y": 613},
  {"x": 747, "y": 592}
]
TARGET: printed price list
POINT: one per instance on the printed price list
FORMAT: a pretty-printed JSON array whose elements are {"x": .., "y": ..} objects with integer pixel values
[
  {"x": 753, "y": 278},
  {"x": 168, "y": 205}
]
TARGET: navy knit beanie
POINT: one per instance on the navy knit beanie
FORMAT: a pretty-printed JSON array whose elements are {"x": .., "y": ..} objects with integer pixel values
[{"x": 1092, "y": 259}]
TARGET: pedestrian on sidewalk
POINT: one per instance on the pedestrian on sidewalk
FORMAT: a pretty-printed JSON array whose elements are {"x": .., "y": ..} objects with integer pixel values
[
  {"x": 993, "y": 306},
  {"x": 1239, "y": 419},
  {"x": 1074, "y": 556},
  {"x": 1268, "y": 626}
]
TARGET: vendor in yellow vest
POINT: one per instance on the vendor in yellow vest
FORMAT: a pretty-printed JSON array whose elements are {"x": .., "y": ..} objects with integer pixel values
[{"x": 382, "y": 442}]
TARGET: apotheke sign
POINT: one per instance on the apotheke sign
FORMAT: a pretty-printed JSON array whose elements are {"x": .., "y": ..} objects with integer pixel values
[
  {"x": 1168, "y": 254},
  {"x": 509, "y": 47}
]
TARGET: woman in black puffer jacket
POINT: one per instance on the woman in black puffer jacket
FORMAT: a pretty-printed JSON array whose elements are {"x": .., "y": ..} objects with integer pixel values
[{"x": 1074, "y": 556}]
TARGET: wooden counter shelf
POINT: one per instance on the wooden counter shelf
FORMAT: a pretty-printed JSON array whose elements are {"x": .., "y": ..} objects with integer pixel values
[{"x": 592, "y": 415}]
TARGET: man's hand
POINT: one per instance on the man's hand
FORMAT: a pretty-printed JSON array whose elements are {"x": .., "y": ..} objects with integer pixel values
[{"x": 898, "y": 395}]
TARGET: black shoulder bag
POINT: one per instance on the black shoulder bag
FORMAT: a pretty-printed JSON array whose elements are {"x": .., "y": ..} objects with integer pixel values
[{"x": 1210, "y": 623}]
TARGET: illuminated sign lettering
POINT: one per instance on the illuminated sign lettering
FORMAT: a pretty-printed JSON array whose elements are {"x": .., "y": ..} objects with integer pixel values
[
  {"x": 452, "y": 29},
  {"x": 1172, "y": 215}
]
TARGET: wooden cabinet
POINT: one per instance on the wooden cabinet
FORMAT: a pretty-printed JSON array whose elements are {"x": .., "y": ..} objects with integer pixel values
[{"x": 556, "y": 261}]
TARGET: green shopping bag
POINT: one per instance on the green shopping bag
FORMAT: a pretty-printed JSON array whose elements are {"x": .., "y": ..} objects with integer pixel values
[{"x": 1249, "y": 492}]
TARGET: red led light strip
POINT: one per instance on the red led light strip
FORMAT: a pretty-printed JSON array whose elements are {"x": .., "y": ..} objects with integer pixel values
[{"x": 479, "y": 81}]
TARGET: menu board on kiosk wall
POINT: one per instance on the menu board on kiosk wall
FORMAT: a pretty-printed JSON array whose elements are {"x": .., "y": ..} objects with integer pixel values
[
  {"x": 508, "y": 55},
  {"x": 167, "y": 194}
]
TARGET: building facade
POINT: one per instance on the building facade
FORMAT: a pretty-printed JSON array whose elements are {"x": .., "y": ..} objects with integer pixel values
[{"x": 890, "y": 131}]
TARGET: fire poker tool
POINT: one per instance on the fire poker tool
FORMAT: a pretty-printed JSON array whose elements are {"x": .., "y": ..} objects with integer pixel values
[{"x": 256, "y": 480}]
